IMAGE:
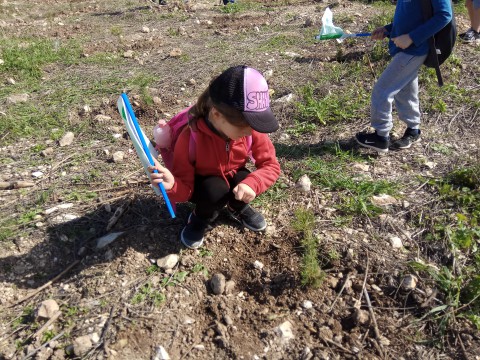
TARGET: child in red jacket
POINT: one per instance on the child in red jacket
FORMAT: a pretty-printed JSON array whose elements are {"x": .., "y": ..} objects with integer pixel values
[{"x": 230, "y": 119}]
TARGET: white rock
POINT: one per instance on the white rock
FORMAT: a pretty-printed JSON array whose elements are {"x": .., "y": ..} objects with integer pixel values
[
  {"x": 303, "y": 184},
  {"x": 258, "y": 265},
  {"x": 101, "y": 118},
  {"x": 81, "y": 345},
  {"x": 67, "y": 139},
  {"x": 47, "y": 309},
  {"x": 396, "y": 242},
  {"x": 37, "y": 174},
  {"x": 145, "y": 29},
  {"x": 11, "y": 81},
  {"x": 161, "y": 354},
  {"x": 95, "y": 337},
  {"x": 307, "y": 304},
  {"x": 17, "y": 98},
  {"x": 285, "y": 331},
  {"x": 268, "y": 74},
  {"x": 128, "y": 54},
  {"x": 285, "y": 99},
  {"x": 168, "y": 262},
  {"x": 383, "y": 200},
  {"x": 118, "y": 156}
]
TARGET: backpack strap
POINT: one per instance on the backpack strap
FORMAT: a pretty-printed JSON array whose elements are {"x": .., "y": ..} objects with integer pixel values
[
  {"x": 427, "y": 12},
  {"x": 192, "y": 147}
]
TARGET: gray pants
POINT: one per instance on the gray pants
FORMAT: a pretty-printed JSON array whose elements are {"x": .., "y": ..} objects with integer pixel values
[{"x": 399, "y": 82}]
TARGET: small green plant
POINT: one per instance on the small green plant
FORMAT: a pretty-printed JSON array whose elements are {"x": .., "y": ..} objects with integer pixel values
[
  {"x": 204, "y": 252},
  {"x": 147, "y": 294},
  {"x": 48, "y": 335},
  {"x": 311, "y": 273},
  {"x": 200, "y": 268}
]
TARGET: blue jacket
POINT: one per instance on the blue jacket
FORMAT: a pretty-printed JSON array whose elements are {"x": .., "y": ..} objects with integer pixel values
[{"x": 408, "y": 19}]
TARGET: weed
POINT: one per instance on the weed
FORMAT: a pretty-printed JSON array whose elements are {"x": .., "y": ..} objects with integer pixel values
[
  {"x": 25, "y": 57},
  {"x": 331, "y": 107},
  {"x": 147, "y": 294},
  {"x": 456, "y": 224},
  {"x": 200, "y": 268},
  {"x": 152, "y": 269},
  {"x": 354, "y": 194},
  {"x": 48, "y": 335},
  {"x": 205, "y": 252}
]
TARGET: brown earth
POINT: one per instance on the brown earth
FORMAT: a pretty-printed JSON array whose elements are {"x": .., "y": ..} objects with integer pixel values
[{"x": 99, "y": 294}]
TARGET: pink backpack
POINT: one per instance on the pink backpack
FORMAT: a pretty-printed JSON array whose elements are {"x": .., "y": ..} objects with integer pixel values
[{"x": 177, "y": 125}]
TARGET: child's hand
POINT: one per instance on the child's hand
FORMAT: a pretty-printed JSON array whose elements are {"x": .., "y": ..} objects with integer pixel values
[
  {"x": 163, "y": 176},
  {"x": 379, "y": 33},
  {"x": 244, "y": 193},
  {"x": 402, "y": 41}
]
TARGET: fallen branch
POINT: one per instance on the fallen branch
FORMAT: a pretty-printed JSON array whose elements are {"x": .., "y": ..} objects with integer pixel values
[
  {"x": 43, "y": 287},
  {"x": 340, "y": 346},
  {"x": 46, "y": 325},
  {"x": 340, "y": 292},
  {"x": 374, "y": 321}
]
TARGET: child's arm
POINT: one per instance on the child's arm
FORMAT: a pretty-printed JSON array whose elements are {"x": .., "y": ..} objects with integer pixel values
[
  {"x": 163, "y": 176},
  {"x": 268, "y": 168}
]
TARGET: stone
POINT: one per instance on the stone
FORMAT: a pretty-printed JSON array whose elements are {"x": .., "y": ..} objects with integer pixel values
[
  {"x": 168, "y": 262},
  {"x": 82, "y": 345},
  {"x": 396, "y": 242},
  {"x": 285, "y": 331},
  {"x": 217, "y": 283},
  {"x": 17, "y": 98},
  {"x": 67, "y": 139},
  {"x": 383, "y": 200},
  {"x": 229, "y": 287},
  {"x": 47, "y": 309},
  {"x": 409, "y": 282},
  {"x": 303, "y": 184},
  {"x": 117, "y": 156}
]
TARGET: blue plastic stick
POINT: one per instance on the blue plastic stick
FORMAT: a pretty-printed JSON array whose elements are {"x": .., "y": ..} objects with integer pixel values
[{"x": 147, "y": 151}]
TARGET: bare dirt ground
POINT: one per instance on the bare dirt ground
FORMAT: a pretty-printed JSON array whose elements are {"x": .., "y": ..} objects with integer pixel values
[{"x": 115, "y": 303}]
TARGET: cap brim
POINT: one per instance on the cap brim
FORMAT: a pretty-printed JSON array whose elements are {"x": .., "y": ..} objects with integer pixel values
[{"x": 263, "y": 122}]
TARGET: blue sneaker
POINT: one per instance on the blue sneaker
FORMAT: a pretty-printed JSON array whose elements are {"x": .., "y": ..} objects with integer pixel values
[{"x": 193, "y": 233}]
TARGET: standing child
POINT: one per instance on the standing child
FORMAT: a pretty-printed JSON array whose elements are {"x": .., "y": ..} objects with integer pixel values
[
  {"x": 472, "y": 34},
  {"x": 230, "y": 119},
  {"x": 408, "y": 46}
]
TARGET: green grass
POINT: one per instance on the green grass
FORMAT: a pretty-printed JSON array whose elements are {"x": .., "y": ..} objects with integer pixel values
[
  {"x": 334, "y": 174},
  {"x": 456, "y": 225},
  {"x": 25, "y": 58}
]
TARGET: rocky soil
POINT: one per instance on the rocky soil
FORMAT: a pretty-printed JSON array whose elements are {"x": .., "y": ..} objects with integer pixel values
[{"x": 93, "y": 268}]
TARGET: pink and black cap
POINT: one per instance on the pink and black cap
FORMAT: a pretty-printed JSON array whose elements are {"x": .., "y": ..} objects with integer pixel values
[{"x": 246, "y": 90}]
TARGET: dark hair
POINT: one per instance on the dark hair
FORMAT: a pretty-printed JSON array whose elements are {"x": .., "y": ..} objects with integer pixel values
[{"x": 203, "y": 105}]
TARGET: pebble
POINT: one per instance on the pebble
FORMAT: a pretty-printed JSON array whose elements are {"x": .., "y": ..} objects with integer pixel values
[{"x": 217, "y": 283}]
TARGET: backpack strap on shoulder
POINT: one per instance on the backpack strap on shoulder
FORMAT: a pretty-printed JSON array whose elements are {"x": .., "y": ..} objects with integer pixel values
[
  {"x": 427, "y": 12},
  {"x": 192, "y": 147}
]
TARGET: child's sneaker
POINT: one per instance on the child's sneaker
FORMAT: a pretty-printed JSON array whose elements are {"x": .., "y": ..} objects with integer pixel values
[
  {"x": 249, "y": 217},
  {"x": 373, "y": 141},
  {"x": 193, "y": 233},
  {"x": 410, "y": 137}
]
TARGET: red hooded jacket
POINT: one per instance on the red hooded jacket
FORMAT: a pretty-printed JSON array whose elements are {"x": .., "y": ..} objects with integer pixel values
[{"x": 218, "y": 157}]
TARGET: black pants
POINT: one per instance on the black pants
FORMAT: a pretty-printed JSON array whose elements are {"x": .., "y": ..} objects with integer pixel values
[{"x": 212, "y": 193}]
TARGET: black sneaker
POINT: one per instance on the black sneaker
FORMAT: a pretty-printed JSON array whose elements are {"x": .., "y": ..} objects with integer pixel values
[
  {"x": 466, "y": 33},
  {"x": 470, "y": 36},
  {"x": 249, "y": 217},
  {"x": 409, "y": 137},
  {"x": 192, "y": 234},
  {"x": 373, "y": 141}
]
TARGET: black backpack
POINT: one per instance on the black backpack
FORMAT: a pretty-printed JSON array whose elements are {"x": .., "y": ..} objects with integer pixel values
[{"x": 441, "y": 44}]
